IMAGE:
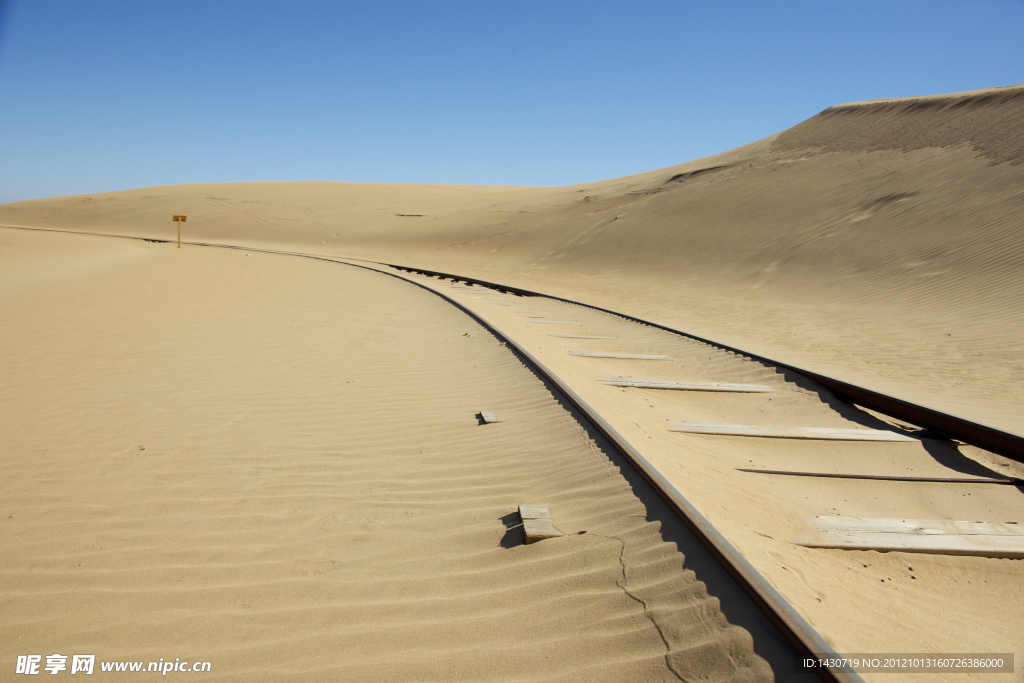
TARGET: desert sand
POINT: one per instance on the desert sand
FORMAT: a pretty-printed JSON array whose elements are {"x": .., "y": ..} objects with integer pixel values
[
  {"x": 288, "y": 447},
  {"x": 275, "y": 466}
]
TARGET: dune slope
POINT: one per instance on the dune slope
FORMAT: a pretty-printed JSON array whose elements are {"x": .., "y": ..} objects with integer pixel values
[{"x": 880, "y": 242}]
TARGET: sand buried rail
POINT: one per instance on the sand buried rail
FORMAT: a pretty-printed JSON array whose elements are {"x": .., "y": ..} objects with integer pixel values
[
  {"x": 945, "y": 424},
  {"x": 800, "y": 635},
  {"x": 996, "y": 440},
  {"x": 805, "y": 642}
]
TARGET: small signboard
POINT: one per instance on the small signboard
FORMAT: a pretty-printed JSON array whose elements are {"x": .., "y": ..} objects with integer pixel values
[{"x": 179, "y": 220}]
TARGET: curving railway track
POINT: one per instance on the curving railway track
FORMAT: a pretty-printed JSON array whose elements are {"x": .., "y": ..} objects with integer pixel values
[
  {"x": 794, "y": 629},
  {"x": 939, "y": 423},
  {"x": 738, "y": 575}
]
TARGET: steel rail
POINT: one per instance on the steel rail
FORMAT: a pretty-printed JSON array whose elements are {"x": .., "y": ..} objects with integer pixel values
[
  {"x": 883, "y": 477},
  {"x": 943, "y": 424}
]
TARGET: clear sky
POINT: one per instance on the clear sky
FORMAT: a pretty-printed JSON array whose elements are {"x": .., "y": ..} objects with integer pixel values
[{"x": 99, "y": 95}]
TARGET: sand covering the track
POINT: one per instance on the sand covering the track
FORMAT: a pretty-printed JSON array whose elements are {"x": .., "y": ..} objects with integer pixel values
[
  {"x": 860, "y": 601},
  {"x": 274, "y": 465}
]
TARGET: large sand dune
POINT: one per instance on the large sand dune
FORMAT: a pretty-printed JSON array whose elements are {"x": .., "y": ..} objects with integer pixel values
[{"x": 880, "y": 242}]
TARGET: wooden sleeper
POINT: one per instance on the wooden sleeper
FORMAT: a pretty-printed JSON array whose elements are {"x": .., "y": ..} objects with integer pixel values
[{"x": 537, "y": 524}]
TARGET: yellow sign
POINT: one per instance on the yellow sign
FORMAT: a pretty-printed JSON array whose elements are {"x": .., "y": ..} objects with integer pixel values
[{"x": 179, "y": 220}]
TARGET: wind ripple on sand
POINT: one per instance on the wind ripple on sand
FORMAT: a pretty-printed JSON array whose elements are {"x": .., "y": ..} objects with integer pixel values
[{"x": 275, "y": 466}]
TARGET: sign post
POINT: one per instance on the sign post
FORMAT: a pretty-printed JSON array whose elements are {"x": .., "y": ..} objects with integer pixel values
[{"x": 179, "y": 220}]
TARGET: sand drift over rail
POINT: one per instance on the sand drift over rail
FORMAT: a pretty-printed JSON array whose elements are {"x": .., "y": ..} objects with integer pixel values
[
  {"x": 943, "y": 425},
  {"x": 205, "y": 458},
  {"x": 846, "y": 595}
]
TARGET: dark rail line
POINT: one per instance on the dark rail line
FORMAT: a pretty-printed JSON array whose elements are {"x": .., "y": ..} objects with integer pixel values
[
  {"x": 881, "y": 477},
  {"x": 943, "y": 424}
]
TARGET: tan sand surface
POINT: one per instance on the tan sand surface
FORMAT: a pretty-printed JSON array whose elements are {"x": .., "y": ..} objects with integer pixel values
[
  {"x": 861, "y": 601},
  {"x": 273, "y": 464},
  {"x": 880, "y": 242}
]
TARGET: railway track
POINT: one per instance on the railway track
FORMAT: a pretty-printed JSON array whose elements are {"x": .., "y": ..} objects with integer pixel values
[
  {"x": 793, "y": 628},
  {"x": 939, "y": 423},
  {"x": 802, "y": 639}
]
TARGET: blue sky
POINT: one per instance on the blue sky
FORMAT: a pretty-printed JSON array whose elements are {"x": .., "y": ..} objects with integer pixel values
[{"x": 109, "y": 95}]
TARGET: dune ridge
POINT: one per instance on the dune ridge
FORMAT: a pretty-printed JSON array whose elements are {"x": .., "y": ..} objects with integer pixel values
[{"x": 987, "y": 120}]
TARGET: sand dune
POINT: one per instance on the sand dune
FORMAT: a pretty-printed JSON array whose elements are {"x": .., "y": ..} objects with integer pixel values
[
  {"x": 274, "y": 465},
  {"x": 877, "y": 241},
  {"x": 987, "y": 121}
]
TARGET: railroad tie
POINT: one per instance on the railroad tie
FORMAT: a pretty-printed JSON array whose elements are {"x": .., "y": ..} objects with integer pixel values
[
  {"x": 819, "y": 433},
  {"x": 537, "y": 524},
  {"x": 555, "y": 322},
  {"x": 935, "y": 536},
  {"x": 628, "y": 356},
  {"x": 579, "y": 336},
  {"x": 685, "y": 386}
]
